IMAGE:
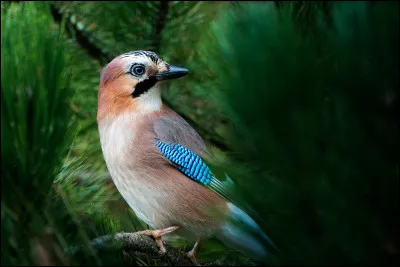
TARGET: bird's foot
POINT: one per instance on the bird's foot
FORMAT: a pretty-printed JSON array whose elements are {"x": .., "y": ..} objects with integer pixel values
[
  {"x": 157, "y": 234},
  {"x": 192, "y": 254},
  {"x": 193, "y": 259}
]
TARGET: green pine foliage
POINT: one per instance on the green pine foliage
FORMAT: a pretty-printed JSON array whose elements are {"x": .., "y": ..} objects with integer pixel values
[
  {"x": 314, "y": 127},
  {"x": 36, "y": 125}
]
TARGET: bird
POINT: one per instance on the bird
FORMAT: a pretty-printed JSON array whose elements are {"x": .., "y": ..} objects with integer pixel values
[{"x": 157, "y": 160}]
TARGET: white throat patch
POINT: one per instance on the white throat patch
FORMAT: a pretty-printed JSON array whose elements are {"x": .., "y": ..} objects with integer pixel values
[{"x": 150, "y": 101}]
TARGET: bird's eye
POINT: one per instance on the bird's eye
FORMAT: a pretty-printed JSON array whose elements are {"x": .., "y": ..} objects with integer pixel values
[{"x": 138, "y": 70}]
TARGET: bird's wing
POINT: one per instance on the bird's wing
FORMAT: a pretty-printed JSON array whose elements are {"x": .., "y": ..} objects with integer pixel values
[
  {"x": 173, "y": 129},
  {"x": 184, "y": 148}
]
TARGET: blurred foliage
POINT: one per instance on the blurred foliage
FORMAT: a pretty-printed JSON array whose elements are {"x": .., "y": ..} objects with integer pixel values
[
  {"x": 314, "y": 125},
  {"x": 296, "y": 100},
  {"x": 36, "y": 125}
]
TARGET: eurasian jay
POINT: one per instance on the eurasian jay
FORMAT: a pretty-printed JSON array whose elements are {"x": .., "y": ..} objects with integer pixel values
[{"x": 155, "y": 160}]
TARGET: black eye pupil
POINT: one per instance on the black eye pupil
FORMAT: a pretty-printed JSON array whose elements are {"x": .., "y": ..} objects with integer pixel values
[{"x": 139, "y": 70}]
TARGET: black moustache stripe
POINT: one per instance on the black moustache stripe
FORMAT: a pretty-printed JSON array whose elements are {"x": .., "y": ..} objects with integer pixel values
[{"x": 144, "y": 86}]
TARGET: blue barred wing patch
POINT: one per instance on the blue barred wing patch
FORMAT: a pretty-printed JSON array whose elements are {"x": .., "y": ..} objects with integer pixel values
[{"x": 186, "y": 161}]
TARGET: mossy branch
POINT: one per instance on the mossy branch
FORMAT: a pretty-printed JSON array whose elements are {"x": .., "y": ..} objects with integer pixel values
[{"x": 135, "y": 248}]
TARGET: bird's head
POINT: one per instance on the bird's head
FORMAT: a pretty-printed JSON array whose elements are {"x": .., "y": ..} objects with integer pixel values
[{"x": 131, "y": 83}]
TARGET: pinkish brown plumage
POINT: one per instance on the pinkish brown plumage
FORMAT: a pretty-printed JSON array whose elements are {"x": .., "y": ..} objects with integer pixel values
[{"x": 131, "y": 117}]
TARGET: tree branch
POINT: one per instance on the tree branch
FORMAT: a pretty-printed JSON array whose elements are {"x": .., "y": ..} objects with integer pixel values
[
  {"x": 90, "y": 48},
  {"x": 140, "y": 248},
  {"x": 160, "y": 24}
]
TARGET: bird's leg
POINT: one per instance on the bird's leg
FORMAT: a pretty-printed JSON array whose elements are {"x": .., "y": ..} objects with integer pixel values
[
  {"x": 157, "y": 234},
  {"x": 192, "y": 254}
]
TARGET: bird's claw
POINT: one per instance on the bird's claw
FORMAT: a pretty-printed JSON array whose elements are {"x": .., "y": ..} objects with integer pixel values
[
  {"x": 192, "y": 258},
  {"x": 192, "y": 254},
  {"x": 157, "y": 236}
]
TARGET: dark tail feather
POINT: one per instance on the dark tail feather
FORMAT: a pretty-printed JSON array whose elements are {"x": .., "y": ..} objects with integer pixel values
[{"x": 243, "y": 234}]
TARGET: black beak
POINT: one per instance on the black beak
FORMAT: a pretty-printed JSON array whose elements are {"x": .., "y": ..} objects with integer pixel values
[{"x": 173, "y": 73}]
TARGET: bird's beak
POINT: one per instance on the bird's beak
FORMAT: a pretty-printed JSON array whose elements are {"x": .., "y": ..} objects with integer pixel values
[{"x": 173, "y": 73}]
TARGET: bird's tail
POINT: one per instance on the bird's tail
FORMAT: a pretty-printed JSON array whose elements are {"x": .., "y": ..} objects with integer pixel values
[{"x": 242, "y": 233}]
